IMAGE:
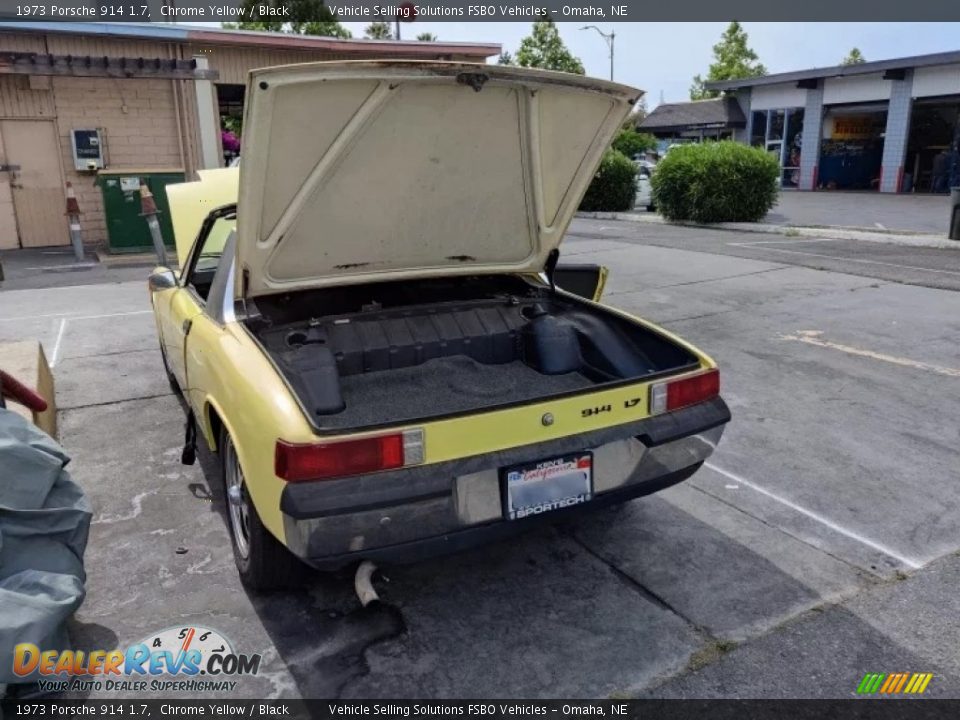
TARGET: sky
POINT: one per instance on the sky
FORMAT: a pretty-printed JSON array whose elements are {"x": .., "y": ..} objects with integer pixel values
[{"x": 664, "y": 57}]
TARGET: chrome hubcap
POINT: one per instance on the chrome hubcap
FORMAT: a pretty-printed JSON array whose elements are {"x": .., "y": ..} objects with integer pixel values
[{"x": 238, "y": 502}]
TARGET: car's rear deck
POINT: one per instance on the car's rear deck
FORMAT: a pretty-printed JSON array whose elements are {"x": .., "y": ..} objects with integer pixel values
[
  {"x": 404, "y": 352},
  {"x": 447, "y": 386}
]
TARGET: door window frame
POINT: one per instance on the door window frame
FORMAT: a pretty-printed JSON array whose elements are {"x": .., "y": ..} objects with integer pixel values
[{"x": 209, "y": 221}]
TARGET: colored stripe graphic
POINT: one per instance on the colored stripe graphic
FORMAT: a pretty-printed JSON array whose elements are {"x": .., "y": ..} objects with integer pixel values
[
  {"x": 894, "y": 683},
  {"x": 901, "y": 683},
  {"x": 890, "y": 682}
]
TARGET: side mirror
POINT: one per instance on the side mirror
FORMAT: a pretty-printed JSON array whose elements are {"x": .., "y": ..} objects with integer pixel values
[{"x": 163, "y": 279}]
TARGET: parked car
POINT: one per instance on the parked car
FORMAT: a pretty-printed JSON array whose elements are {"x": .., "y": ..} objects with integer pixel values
[
  {"x": 377, "y": 338},
  {"x": 644, "y": 197}
]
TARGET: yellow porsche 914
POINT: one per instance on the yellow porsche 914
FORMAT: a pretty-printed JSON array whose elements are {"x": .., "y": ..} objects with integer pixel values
[{"x": 371, "y": 328}]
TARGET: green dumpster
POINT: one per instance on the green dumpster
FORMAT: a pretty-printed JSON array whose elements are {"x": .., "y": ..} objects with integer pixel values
[{"x": 127, "y": 231}]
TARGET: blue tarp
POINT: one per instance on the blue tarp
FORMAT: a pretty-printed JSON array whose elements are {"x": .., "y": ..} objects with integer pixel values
[{"x": 44, "y": 523}]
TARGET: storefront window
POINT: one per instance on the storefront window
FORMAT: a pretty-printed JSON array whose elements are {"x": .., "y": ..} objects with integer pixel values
[
  {"x": 758, "y": 129},
  {"x": 776, "y": 126},
  {"x": 793, "y": 131},
  {"x": 780, "y": 132}
]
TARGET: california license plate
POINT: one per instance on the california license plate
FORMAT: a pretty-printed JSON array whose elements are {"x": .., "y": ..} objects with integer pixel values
[{"x": 547, "y": 485}]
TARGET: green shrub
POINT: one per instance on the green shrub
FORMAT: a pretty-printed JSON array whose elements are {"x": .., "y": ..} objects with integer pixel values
[
  {"x": 614, "y": 186},
  {"x": 715, "y": 182},
  {"x": 632, "y": 143}
]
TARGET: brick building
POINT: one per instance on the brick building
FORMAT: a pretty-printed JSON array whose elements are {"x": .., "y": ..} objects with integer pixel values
[
  {"x": 140, "y": 96},
  {"x": 888, "y": 126}
]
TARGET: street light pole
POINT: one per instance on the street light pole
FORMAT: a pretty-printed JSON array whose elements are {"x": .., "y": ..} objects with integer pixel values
[{"x": 608, "y": 38}]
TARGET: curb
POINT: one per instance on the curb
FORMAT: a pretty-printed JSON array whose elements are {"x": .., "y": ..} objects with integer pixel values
[
  {"x": 832, "y": 233},
  {"x": 146, "y": 259}
]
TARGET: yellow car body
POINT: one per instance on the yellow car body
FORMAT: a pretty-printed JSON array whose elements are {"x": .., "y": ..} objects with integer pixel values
[{"x": 234, "y": 389}]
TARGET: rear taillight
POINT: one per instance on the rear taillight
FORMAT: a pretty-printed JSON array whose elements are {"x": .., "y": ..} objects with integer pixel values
[
  {"x": 318, "y": 461},
  {"x": 690, "y": 390}
]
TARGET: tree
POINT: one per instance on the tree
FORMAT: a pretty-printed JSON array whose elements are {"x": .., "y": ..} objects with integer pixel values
[
  {"x": 854, "y": 57},
  {"x": 427, "y": 37},
  {"x": 312, "y": 18},
  {"x": 544, "y": 48},
  {"x": 733, "y": 59},
  {"x": 632, "y": 143},
  {"x": 379, "y": 31},
  {"x": 505, "y": 58}
]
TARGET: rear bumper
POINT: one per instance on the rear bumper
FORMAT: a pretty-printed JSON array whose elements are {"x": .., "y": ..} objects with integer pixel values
[{"x": 418, "y": 512}]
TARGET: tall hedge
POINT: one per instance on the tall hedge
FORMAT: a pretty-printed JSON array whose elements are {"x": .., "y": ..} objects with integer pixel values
[
  {"x": 614, "y": 187},
  {"x": 716, "y": 182}
]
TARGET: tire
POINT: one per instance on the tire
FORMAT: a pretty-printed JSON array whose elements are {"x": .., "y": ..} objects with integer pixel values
[{"x": 262, "y": 560}]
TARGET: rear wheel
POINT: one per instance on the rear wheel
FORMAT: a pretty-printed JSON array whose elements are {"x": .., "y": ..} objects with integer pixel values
[{"x": 262, "y": 561}]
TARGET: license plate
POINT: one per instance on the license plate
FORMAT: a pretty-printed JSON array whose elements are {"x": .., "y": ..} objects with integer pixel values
[{"x": 540, "y": 487}]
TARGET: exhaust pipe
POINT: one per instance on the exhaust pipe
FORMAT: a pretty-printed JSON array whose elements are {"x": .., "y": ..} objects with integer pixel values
[{"x": 363, "y": 584}]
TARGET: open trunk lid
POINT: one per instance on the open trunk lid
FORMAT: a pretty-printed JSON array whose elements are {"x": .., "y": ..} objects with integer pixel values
[{"x": 367, "y": 171}]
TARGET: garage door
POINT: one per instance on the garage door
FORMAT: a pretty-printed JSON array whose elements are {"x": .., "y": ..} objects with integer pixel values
[{"x": 36, "y": 185}]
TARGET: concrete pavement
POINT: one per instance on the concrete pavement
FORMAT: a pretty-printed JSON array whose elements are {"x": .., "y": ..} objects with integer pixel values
[{"x": 905, "y": 213}]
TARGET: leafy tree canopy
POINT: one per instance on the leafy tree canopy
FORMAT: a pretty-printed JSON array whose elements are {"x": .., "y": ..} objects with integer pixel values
[
  {"x": 854, "y": 57},
  {"x": 733, "y": 59},
  {"x": 544, "y": 48},
  {"x": 505, "y": 58},
  {"x": 379, "y": 31},
  {"x": 313, "y": 18},
  {"x": 632, "y": 143},
  {"x": 426, "y": 37}
]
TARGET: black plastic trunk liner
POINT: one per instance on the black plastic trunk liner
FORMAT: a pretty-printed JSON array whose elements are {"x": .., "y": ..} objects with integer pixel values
[{"x": 443, "y": 386}]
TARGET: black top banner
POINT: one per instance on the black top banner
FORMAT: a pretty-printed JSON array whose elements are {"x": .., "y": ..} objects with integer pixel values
[
  {"x": 483, "y": 709},
  {"x": 476, "y": 11}
]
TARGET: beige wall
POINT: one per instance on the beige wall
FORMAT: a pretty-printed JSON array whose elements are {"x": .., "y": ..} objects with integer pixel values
[
  {"x": 140, "y": 126},
  {"x": 139, "y": 116},
  {"x": 147, "y": 123}
]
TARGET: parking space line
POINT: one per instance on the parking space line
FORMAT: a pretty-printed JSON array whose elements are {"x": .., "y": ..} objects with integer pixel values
[
  {"x": 56, "y": 345},
  {"x": 856, "y": 260},
  {"x": 72, "y": 316},
  {"x": 783, "y": 242},
  {"x": 812, "y": 337},
  {"x": 106, "y": 315},
  {"x": 889, "y": 552},
  {"x": 70, "y": 266}
]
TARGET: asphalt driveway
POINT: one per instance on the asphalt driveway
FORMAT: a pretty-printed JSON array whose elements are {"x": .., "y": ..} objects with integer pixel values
[{"x": 820, "y": 542}]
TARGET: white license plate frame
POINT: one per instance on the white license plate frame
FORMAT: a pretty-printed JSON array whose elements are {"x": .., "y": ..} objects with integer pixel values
[{"x": 544, "y": 486}]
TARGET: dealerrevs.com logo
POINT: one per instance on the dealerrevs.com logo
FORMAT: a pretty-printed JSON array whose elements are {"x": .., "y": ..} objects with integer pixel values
[{"x": 187, "y": 659}]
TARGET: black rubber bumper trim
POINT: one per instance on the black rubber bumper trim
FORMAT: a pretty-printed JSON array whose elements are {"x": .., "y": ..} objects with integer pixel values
[
  {"x": 326, "y": 498},
  {"x": 470, "y": 537}
]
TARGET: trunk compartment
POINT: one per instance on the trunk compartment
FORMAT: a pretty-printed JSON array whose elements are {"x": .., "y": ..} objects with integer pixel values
[{"x": 366, "y": 356}]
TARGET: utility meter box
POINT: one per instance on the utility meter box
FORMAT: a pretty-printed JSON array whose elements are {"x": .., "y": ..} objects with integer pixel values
[
  {"x": 127, "y": 229},
  {"x": 87, "y": 150}
]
